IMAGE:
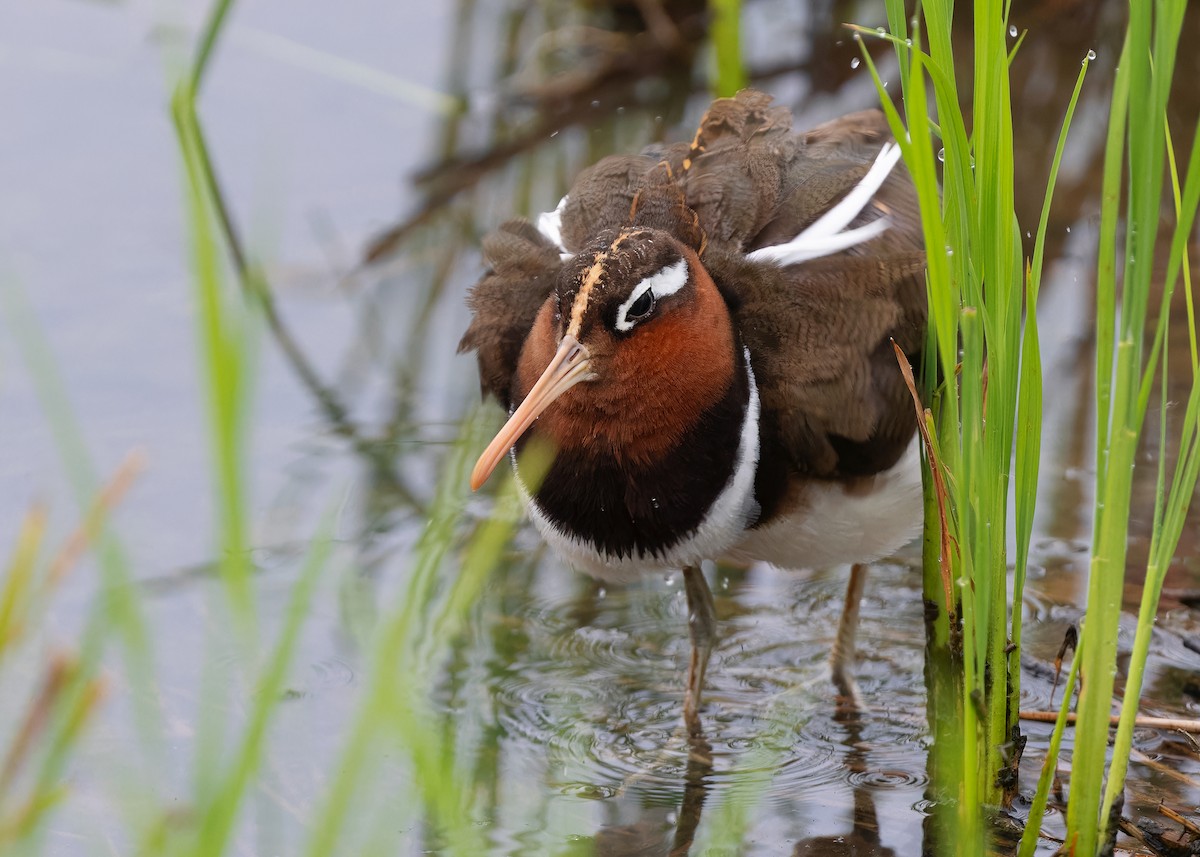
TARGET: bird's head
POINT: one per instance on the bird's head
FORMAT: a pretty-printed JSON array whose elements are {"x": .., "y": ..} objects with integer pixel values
[{"x": 632, "y": 346}]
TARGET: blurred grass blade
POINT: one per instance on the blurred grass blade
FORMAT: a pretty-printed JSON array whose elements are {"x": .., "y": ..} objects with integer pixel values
[
  {"x": 20, "y": 577},
  {"x": 398, "y": 673},
  {"x": 726, "y": 39},
  {"x": 226, "y": 327},
  {"x": 117, "y": 612},
  {"x": 283, "y": 49},
  {"x": 217, "y": 823}
]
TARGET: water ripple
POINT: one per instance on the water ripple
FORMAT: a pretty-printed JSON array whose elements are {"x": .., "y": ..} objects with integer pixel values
[{"x": 596, "y": 688}]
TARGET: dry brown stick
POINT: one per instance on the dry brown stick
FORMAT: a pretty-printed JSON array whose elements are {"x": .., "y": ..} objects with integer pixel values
[
  {"x": 1178, "y": 724},
  {"x": 110, "y": 495},
  {"x": 36, "y": 717},
  {"x": 1070, "y": 642},
  {"x": 1132, "y": 831},
  {"x": 1186, "y": 823}
]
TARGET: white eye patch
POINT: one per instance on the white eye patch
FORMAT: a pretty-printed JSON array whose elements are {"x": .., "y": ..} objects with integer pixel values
[{"x": 667, "y": 281}]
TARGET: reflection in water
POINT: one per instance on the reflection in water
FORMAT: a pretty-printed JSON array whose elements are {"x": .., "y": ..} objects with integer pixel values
[
  {"x": 652, "y": 835},
  {"x": 862, "y": 840}
]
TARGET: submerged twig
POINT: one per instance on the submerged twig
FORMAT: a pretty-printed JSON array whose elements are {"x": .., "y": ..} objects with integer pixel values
[{"x": 1169, "y": 771}]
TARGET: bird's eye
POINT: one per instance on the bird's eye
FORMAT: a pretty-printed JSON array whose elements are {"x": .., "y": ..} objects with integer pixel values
[
  {"x": 662, "y": 283},
  {"x": 641, "y": 307}
]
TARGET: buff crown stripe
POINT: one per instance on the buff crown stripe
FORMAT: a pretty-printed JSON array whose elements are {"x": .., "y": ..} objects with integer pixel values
[{"x": 579, "y": 307}]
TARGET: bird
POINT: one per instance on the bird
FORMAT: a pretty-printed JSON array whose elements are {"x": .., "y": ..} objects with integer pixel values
[{"x": 702, "y": 334}]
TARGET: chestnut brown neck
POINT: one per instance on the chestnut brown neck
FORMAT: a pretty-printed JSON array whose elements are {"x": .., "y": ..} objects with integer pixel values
[{"x": 653, "y": 386}]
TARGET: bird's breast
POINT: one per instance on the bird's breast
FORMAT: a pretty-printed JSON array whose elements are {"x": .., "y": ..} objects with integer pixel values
[{"x": 618, "y": 519}]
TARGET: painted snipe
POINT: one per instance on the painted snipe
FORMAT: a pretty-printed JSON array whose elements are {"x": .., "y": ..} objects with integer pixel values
[{"x": 703, "y": 333}]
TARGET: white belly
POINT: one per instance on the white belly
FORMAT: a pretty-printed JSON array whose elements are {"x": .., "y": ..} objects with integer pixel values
[{"x": 836, "y": 525}]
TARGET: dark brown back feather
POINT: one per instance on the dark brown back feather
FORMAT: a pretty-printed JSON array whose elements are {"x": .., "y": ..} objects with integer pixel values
[{"x": 522, "y": 265}]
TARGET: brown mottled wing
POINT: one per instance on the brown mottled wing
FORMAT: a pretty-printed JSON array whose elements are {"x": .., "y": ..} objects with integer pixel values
[
  {"x": 522, "y": 266},
  {"x": 819, "y": 334},
  {"x": 830, "y": 160},
  {"x": 820, "y": 331},
  {"x": 734, "y": 171},
  {"x": 729, "y": 178},
  {"x": 750, "y": 180}
]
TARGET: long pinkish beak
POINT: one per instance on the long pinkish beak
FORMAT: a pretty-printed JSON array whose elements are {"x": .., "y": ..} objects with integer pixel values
[{"x": 569, "y": 366}]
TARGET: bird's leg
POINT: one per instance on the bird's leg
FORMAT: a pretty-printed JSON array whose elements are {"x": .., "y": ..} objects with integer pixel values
[
  {"x": 702, "y": 628},
  {"x": 842, "y": 659}
]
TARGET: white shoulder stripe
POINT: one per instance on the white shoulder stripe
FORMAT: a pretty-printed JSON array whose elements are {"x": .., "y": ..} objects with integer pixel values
[
  {"x": 825, "y": 235},
  {"x": 666, "y": 281},
  {"x": 549, "y": 223}
]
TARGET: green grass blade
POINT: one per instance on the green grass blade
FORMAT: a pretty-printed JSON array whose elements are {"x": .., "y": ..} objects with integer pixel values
[
  {"x": 727, "y": 46},
  {"x": 1037, "y": 808},
  {"x": 1170, "y": 508},
  {"x": 1029, "y": 404}
]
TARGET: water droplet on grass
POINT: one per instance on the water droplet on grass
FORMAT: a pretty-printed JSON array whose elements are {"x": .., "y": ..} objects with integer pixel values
[
  {"x": 854, "y": 62},
  {"x": 1091, "y": 55},
  {"x": 1012, "y": 30}
]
